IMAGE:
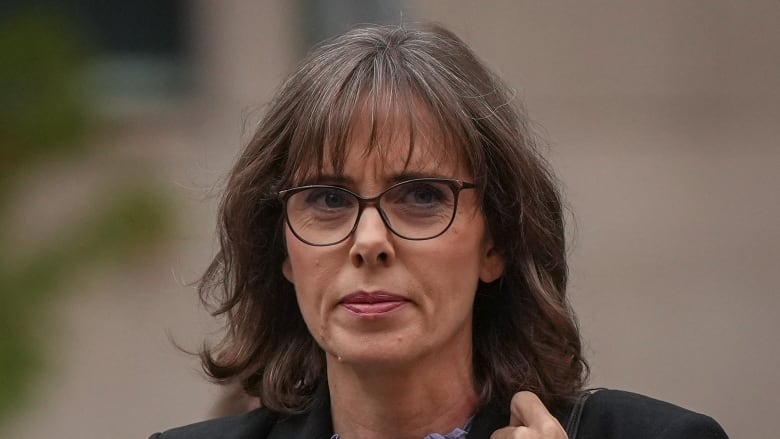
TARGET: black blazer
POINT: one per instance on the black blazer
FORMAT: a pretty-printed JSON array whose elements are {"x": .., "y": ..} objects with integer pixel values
[{"x": 607, "y": 414}]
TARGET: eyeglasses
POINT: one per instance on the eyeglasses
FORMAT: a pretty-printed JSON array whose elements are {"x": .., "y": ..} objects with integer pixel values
[{"x": 418, "y": 209}]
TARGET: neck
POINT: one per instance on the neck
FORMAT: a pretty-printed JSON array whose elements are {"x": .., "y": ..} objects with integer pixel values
[{"x": 401, "y": 402}]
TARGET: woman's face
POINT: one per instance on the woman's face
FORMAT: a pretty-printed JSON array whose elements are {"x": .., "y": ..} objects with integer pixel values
[{"x": 379, "y": 299}]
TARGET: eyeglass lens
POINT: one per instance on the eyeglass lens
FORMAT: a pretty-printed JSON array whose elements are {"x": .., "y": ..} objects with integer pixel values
[{"x": 417, "y": 209}]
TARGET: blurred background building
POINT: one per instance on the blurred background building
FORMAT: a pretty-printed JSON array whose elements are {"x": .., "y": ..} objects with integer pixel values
[{"x": 119, "y": 120}]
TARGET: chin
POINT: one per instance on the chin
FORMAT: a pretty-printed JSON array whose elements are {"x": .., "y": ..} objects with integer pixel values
[{"x": 386, "y": 352}]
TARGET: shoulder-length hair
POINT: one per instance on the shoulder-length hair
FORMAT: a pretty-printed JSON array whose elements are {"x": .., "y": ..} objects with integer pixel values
[{"x": 525, "y": 334}]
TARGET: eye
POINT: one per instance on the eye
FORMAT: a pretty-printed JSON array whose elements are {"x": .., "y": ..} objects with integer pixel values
[
  {"x": 329, "y": 198},
  {"x": 422, "y": 193}
]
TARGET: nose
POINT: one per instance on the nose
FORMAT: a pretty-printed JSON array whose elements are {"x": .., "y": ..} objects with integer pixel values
[{"x": 371, "y": 241}]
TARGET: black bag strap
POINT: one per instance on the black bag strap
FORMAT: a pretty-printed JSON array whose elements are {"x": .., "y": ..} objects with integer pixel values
[{"x": 573, "y": 424}]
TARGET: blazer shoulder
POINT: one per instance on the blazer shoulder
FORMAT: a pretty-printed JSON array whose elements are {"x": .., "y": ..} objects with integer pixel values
[
  {"x": 255, "y": 424},
  {"x": 618, "y": 414}
]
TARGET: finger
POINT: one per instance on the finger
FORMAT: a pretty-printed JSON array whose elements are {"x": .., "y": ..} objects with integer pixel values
[
  {"x": 545, "y": 432},
  {"x": 527, "y": 410},
  {"x": 512, "y": 433}
]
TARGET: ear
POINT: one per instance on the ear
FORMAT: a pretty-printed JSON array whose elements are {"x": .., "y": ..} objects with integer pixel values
[
  {"x": 492, "y": 264},
  {"x": 287, "y": 270}
]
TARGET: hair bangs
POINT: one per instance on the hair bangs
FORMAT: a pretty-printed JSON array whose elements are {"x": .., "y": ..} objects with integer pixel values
[
  {"x": 382, "y": 95},
  {"x": 424, "y": 84}
]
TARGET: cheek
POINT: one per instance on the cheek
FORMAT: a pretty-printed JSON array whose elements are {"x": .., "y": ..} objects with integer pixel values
[
  {"x": 302, "y": 260},
  {"x": 466, "y": 244},
  {"x": 309, "y": 272},
  {"x": 451, "y": 267}
]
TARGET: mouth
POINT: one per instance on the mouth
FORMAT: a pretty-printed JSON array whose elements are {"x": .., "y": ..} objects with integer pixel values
[{"x": 372, "y": 304}]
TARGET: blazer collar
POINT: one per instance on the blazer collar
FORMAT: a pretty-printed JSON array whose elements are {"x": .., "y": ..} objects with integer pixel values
[
  {"x": 314, "y": 424},
  {"x": 317, "y": 422}
]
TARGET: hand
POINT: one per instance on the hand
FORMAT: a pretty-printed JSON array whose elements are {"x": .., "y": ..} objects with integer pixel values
[{"x": 529, "y": 419}]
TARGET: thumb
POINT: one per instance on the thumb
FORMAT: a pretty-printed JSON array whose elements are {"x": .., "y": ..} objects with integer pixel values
[
  {"x": 527, "y": 412},
  {"x": 526, "y": 409}
]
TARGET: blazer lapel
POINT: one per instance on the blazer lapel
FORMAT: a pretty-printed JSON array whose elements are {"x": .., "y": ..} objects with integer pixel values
[
  {"x": 488, "y": 419},
  {"x": 314, "y": 424}
]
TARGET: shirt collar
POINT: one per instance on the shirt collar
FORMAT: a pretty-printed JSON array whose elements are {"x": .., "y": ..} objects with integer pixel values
[{"x": 317, "y": 422}]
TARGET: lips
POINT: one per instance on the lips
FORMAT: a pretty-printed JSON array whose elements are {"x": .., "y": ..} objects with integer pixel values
[{"x": 372, "y": 304}]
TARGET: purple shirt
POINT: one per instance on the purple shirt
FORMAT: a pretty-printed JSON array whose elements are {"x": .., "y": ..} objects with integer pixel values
[{"x": 458, "y": 433}]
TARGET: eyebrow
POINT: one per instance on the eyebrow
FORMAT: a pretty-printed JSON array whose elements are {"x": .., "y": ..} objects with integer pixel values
[
  {"x": 405, "y": 176},
  {"x": 340, "y": 180},
  {"x": 345, "y": 180}
]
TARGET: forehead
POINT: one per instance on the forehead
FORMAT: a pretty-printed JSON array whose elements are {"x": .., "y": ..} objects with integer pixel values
[{"x": 387, "y": 136}]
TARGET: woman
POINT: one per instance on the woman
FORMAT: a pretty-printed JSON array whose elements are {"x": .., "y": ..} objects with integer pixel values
[{"x": 393, "y": 262}]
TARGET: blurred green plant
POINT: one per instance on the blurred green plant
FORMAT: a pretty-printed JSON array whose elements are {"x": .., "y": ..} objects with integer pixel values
[
  {"x": 126, "y": 226},
  {"x": 43, "y": 110},
  {"x": 44, "y": 114}
]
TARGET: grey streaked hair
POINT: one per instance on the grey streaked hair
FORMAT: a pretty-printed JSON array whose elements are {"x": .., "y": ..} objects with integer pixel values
[{"x": 525, "y": 333}]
